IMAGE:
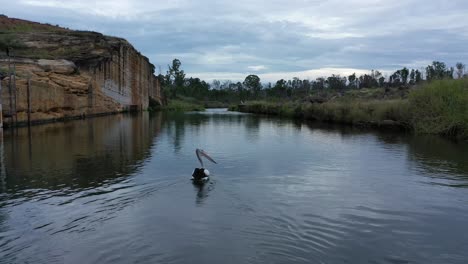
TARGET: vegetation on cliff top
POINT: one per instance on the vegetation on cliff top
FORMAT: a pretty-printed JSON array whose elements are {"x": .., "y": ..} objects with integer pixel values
[
  {"x": 32, "y": 40},
  {"x": 8, "y": 24}
]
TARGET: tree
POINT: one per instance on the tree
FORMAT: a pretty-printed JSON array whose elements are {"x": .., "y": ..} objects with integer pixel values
[
  {"x": 196, "y": 88},
  {"x": 175, "y": 78},
  {"x": 438, "y": 71},
  {"x": 176, "y": 74},
  {"x": 367, "y": 81},
  {"x": 216, "y": 84},
  {"x": 226, "y": 85},
  {"x": 460, "y": 69},
  {"x": 352, "y": 81},
  {"x": 336, "y": 82},
  {"x": 319, "y": 83},
  {"x": 280, "y": 88},
  {"x": 243, "y": 94},
  {"x": 306, "y": 85},
  {"x": 296, "y": 83},
  {"x": 417, "y": 76},
  {"x": 382, "y": 81},
  {"x": 404, "y": 75},
  {"x": 377, "y": 75},
  {"x": 412, "y": 76},
  {"x": 252, "y": 82}
]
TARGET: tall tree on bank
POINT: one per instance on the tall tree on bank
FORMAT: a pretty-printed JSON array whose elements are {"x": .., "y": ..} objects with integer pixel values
[
  {"x": 404, "y": 75},
  {"x": 175, "y": 78},
  {"x": 252, "y": 82},
  {"x": 438, "y": 70},
  {"x": 336, "y": 82},
  {"x": 417, "y": 76},
  {"x": 175, "y": 84},
  {"x": 460, "y": 69},
  {"x": 352, "y": 81},
  {"x": 412, "y": 77}
]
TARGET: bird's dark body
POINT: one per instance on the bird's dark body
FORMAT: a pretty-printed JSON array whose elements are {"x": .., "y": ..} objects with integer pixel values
[{"x": 199, "y": 175}]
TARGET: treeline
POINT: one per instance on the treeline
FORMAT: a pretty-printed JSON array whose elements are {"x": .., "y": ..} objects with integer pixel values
[{"x": 176, "y": 85}]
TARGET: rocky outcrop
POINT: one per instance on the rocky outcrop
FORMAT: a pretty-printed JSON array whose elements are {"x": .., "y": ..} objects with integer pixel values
[{"x": 71, "y": 73}]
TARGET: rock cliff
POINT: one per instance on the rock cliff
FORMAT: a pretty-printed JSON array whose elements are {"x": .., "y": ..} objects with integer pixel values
[{"x": 70, "y": 73}]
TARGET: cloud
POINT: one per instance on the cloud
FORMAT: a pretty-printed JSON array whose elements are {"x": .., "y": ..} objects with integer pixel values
[
  {"x": 257, "y": 67},
  {"x": 103, "y": 8},
  {"x": 274, "y": 76},
  {"x": 288, "y": 37}
]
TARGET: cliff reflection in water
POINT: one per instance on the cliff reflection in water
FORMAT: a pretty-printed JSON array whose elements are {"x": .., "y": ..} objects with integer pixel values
[{"x": 77, "y": 154}]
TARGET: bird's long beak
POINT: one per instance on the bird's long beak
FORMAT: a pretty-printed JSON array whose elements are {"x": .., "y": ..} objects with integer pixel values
[{"x": 207, "y": 156}]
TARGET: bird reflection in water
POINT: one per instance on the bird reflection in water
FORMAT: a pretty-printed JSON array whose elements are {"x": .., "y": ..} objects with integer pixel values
[{"x": 203, "y": 190}]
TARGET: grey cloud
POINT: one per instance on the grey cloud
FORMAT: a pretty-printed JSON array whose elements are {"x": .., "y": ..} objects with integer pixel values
[{"x": 219, "y": 38}]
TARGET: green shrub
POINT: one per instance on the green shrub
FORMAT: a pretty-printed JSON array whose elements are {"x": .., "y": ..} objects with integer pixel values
[
  {"x": 10, "y": 41},
  {"x": 441, "y": 107},
  {"x": 353, "y": 112},
  {"x": 153, "y": 104}
]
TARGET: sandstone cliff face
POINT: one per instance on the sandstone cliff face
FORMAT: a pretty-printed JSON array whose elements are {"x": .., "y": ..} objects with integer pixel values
[{"x": 71, "y": 73}]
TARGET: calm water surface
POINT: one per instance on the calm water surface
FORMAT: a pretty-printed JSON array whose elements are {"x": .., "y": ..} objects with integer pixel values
[{"x": 117, "y": 190}]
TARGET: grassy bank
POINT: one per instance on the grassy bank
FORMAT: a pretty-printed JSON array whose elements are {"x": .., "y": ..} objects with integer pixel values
[
  {"x": 182, "y": 106},
  {"x": 439, "y": 107}
]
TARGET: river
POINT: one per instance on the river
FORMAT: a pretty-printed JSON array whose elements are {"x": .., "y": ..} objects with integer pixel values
[{"x": 117, "y": 189}]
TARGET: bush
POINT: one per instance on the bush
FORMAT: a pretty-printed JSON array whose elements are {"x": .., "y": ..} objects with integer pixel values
[
  {"x": 153, "y": 105},
  {"x": 354, "y": 112},
  {"x": 441, "y": 107},
  {"x": 10, "y": 41}
]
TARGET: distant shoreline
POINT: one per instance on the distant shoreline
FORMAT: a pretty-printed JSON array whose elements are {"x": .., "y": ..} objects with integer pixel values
[{"x": 438, "y": 107}]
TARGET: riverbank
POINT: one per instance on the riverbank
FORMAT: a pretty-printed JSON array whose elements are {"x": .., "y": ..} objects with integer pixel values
[
  {"x": 439, "y": 107},
  {"x": 182, "y": 106},
  {"x": 186, "y": 104}
]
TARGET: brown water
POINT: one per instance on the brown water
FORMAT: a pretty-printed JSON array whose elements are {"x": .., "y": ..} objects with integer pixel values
[{"x": 117, "y": 189}]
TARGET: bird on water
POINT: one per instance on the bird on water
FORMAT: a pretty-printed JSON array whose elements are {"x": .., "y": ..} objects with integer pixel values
[{"x": 201, "y": 174}]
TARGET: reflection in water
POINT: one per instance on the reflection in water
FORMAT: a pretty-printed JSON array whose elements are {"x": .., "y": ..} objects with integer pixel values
[
  {"x": 2, "y": 164},
  {"x": 3, "y": 214},
  {"x": 77, "y": 154},
  {"x": 116, "y": 189},
  {"x": 202, "y": 190},
  {"x": 440, "y": 159}
]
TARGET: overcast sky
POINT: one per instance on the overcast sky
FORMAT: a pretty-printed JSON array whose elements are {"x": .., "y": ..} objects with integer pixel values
[{"x": 271, "y": 38}]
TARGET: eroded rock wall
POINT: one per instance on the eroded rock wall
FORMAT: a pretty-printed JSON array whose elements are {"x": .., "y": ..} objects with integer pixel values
[{"x": 73, "y": 74}]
